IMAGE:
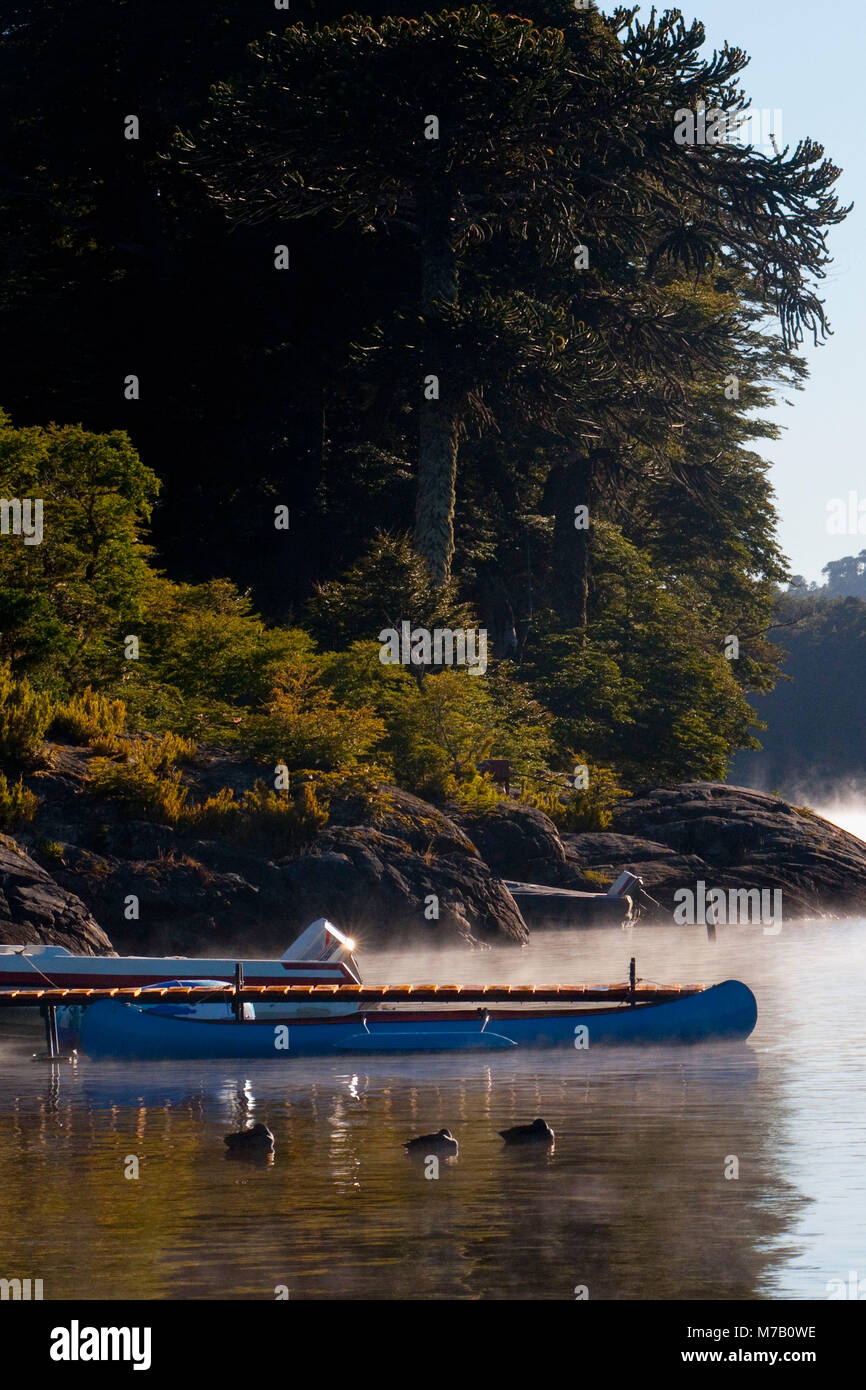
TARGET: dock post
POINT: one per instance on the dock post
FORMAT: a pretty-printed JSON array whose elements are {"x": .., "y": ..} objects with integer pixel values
[
  {"x": 239, "y": 984},
  {"x": 52, "y": 1037},
  {"x": 632, "y": 978}
]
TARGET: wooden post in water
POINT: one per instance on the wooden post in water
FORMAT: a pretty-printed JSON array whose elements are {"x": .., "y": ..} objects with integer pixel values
[
  {"x": 632, "y": 978},
  {"x": 237, "y": 1004},
  {"x": 49, "y": 1014},
  {"x": 52, "y": 1037}
]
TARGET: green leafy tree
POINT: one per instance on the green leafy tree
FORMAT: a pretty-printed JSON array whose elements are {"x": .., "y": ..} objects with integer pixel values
[
  {"x": 645, "y": 690},
  {"x": 387, "y": 585},
  {"x": 205, "y": 658},
  {"x": 304, "y": 727},
  {"x": 67, "y": 602}
]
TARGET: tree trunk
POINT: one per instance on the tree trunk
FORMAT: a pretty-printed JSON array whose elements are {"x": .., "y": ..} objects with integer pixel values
[
  {"x": 437, "y": 480},
  {"x": 570, "y": 486},
  {"x": 437, "y": 445}
]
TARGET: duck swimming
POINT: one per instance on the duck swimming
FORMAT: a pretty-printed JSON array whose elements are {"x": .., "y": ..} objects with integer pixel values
[
  {"x": 443, "y": 1142},
  {"x": 539, "y": 1132},
  {"x": 256, "y": 1140}
]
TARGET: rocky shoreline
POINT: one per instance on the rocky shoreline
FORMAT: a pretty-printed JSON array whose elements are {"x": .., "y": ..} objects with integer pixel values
[{"x": 82, "y": 876}]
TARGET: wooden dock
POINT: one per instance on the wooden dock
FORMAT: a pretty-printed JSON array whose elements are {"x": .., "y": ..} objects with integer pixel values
[{"x": 35, "y": 997}]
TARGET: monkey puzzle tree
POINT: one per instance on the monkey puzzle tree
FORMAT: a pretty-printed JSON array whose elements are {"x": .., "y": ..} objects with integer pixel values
[
  {"x": 438, "y": 128},
  {"x": 469, "y": 127}
]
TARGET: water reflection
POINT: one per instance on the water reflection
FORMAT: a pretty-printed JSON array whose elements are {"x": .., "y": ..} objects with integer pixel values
[{"x": 638, "y": 1198}]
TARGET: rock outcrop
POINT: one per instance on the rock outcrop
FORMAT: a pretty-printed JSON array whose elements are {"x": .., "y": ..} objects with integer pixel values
[
  {"x": 386, "y": 870},
  {"x": 401, "y": 869},
  {"x": 391, "y": 868},
  {"x": 731, "y": 838},
  {"x": 35, "y": 910},
  {"x": 519, "y": 842}
]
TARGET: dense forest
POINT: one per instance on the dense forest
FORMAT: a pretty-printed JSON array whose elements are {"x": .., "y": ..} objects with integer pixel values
[
  {"x": 813, "y": 741},
  {"x": 322, "y": 324}
]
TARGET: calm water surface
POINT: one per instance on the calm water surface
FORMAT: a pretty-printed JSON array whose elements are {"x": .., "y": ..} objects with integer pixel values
[{"x": 633, "y": 1202}]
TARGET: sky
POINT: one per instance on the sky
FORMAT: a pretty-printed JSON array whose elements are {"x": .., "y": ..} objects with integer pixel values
[{"x": 807, "y": 61}]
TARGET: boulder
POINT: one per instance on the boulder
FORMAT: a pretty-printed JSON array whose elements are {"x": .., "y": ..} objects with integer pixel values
[
  {"x": 380, "y": 889},
  {"x": 517, "y": 842},
  {"x": 734, "y": 837},
  {"x": 201, "y": 898},
  {"x": 34, "y": 910},
  {"x": 406, "y": 818}
]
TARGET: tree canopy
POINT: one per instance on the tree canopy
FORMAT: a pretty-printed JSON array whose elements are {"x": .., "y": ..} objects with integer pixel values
[{"x": 514, "y": 374}]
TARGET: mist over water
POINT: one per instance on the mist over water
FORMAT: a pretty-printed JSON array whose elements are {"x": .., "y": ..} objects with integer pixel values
[
  {"x": 632, "y": 1202},
  {"x": 844, "y": 805},
  {"x": 846, "y": 811}
]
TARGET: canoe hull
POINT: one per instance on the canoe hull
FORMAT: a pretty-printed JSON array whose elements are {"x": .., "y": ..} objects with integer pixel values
[{"x": 726, "y": 1011}]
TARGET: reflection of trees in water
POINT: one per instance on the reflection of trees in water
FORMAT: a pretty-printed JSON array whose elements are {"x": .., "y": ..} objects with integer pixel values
[{"x": 632, "y": 1202}]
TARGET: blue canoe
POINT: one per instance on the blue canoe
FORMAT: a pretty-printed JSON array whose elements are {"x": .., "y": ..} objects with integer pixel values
[{"x": 110, "y": 1029}]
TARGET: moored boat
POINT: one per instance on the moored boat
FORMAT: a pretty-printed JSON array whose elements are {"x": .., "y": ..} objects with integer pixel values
[
  {"x": 544, "y": 906},
  {"x": 321, "y": 955},
  {"x": 111, "y": 1029},
  {"x": 291, "y": 1012}
]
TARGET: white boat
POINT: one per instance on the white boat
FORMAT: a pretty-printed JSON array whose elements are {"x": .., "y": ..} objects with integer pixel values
[
  {"x": 545, "y": 906},
  {"x": 321, "y": 955}
]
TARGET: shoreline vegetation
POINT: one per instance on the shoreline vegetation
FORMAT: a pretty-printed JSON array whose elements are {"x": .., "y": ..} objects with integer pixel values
[
  {"x": 490, "y": 380},
  {"x": 94, "y": 872}
]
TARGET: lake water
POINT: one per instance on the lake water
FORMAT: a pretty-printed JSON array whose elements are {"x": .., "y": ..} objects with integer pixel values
[{"x": 632, "y": 1203}]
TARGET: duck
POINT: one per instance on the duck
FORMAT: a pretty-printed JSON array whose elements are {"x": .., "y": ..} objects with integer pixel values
[
  {"x": 539, "y": 1132},
  {"x": 442, "y": 1142},
  {"x": 258, "y": 1139}
]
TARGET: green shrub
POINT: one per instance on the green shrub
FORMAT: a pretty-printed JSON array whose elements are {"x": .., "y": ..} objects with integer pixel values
[
  {"x": 24, "y": 717},
  {"x": 305, "y": 727},
  {"x": 153, "y": 704},
  {"x": 88, "y": 718},
  {"x": 579, "y": 809},
  {"x": 107, "y": 747},
  {"x": 17, "y": 803},
  {"x": 50, "y": 849},
  {"x": 147, "y": 780},
  {"x": 480, "y": 793},
  {"x": 282, "y": 820},
  {"x": 141, "y": 790},
  {"x": 149, "y": 786},
  {"x": 161, "y": 755},
  {"x": 592, "y": 808}
]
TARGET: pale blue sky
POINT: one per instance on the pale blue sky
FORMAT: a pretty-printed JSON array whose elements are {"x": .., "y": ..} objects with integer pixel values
[{"x": 808, "y": 61}]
